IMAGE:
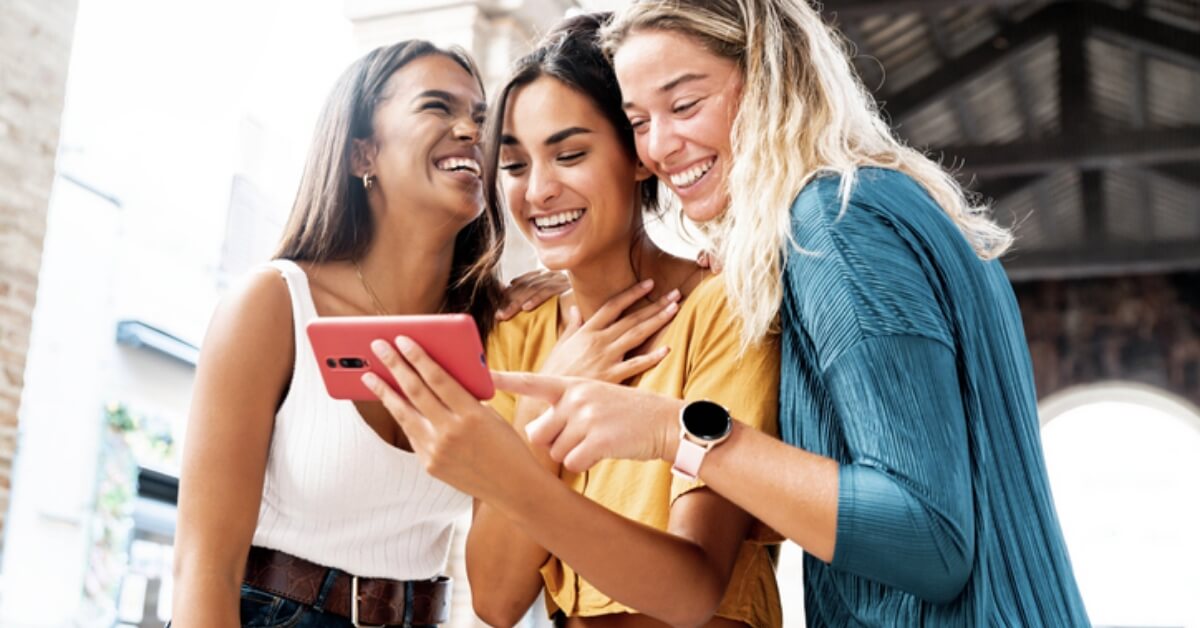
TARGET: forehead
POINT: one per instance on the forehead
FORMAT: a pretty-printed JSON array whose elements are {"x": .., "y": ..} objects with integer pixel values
[
  {"x": 547, "y": 106},
  {"x": 434, "y": 72},
  {"x": 650, "y": 58}
]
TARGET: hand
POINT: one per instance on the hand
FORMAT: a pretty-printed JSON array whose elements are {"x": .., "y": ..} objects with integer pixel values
[
  {"x": 459, "y": 440},
  {"x": 527, "y": 291},
  {"x": 597, "y": 349},
  {"x": 589, "y": 421},
  {"x": 709, "y": 260}
]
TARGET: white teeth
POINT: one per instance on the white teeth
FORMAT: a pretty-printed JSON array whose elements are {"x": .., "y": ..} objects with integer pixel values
[
  {"x": 450, "y": 164},
  {"x": 693, "y": 174},
  {"x": 561, "y": 218}
]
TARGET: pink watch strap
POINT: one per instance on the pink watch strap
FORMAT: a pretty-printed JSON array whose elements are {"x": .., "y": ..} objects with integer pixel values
[{"x": 688, "y": 458}]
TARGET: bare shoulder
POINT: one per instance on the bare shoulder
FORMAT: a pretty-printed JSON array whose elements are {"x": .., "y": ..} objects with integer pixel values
[
  {"x": 252, "y": 326},
  {"x": 257, "y": 311}
]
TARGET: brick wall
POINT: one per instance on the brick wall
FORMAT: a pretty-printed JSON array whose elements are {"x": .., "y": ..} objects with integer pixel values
[
  {"x": 1143, "y": 329},
  {"x": 35, "y": 44}
]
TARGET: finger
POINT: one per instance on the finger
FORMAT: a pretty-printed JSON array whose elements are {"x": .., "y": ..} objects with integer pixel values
[
  {"x": 542, "y": 287},
  {"x": 415, "y": 426},
  {"x": 581, "y": 458},
  {"x": 612, "y": 309},
  {"x": 570, "y": 436},
  {"x": 419, "y": 395},
  {"x": 633, "y": 330},
  {"x": 640, "y": 364},
  {"x": 440, "y": 383},
  {"x": 548, "y": 388},
  {"x": 543, "y": 430}
]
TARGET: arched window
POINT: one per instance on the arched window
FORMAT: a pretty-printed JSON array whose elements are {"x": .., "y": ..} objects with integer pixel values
[{"x": 1124, "y": 465}]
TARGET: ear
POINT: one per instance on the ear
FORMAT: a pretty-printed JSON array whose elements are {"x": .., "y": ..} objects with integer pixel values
[
  {"x": 362, "y": 157},
  {"x": 641, "y": 172}
]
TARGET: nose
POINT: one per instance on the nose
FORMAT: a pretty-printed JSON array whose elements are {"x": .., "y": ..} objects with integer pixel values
[
  {"x": 467, "y": 130},
  {"x": 542, "y": 187},
  {"x": 662, "y": 141}
]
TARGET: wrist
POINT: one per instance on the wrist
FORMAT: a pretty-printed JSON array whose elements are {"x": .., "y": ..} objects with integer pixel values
[{"x": 669, "y": 426}]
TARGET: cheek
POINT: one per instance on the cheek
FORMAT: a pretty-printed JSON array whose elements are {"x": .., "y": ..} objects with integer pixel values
[
  {"x": 514, "y": 200},
  {"x": 641, "y": 144}
]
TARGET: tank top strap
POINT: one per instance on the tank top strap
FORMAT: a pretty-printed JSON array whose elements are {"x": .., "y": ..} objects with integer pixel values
[{"x": 303, "y": 309}]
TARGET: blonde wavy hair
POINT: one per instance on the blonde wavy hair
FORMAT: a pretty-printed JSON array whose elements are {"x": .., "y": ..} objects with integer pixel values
[{"x": 803, "y": 112}]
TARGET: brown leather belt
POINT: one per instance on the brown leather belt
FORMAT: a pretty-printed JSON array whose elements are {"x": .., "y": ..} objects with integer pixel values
[{"x": 380, "y": 602}]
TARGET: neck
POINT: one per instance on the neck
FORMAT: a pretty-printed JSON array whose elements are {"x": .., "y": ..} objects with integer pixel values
[
  {"x": 408, "y": 265},
  {"x": 597, "y": 281}
]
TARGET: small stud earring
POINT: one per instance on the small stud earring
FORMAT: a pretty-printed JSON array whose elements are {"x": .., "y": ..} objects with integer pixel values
[{"x": 368, "y": 181}]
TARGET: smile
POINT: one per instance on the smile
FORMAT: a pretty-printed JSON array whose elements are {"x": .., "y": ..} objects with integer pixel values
[
  {"x": 689, "y": 177},
  {"x": 557, "y": 220},
  {"x": 459, "y": 164}
]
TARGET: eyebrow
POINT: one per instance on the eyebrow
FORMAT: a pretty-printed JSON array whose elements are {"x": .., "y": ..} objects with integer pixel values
[
  {"x": 560, "y": 136},
  {"x": 672, "y": 84},
  {"x": 477, "y": 107},
  {"x": 564, "y": 134}
]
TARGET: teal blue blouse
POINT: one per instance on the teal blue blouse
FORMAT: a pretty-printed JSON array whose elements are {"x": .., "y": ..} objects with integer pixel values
[{"x": 904, "y": 359}]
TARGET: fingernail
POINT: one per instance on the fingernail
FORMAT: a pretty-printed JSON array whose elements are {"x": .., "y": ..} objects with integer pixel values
[
  {"x": 403, "y": 344},
  {"x": 380, "y": 347},
  {"x": 370, "y": 380},
  {"x": 672, "y": 307},
  {"x": 526, "y": 306},
  {"x": 647, "y": 284},
  {"x": 673, "y": 295}
]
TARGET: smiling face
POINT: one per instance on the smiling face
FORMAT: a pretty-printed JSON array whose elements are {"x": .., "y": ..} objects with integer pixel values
[
  {"x": 424, "y": 150},
  {"x": 569, "y": 184},
  {"x": 681, "y": 100}
]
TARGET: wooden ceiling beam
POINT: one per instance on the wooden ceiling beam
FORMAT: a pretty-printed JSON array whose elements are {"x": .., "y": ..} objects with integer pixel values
[{"x": 1095, "y": 151}]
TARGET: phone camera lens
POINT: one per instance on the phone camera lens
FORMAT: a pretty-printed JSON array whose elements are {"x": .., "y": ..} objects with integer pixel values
[
  {"x": 351, "y": 363},
  {"x": 331, "y": 363}
]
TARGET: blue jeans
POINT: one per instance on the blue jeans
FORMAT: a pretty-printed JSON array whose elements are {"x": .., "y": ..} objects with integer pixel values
[{"x": 260, "y": 609}]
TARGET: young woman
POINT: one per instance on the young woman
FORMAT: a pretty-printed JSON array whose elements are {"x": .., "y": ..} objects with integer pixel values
[
  {"x": 624, "y": 544},
  {"x": 913, "y": 473},
  {"x": 292, "y": 501}
]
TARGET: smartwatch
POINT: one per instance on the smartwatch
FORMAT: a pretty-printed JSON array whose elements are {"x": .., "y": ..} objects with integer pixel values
[{"x": 702, "y": 426}]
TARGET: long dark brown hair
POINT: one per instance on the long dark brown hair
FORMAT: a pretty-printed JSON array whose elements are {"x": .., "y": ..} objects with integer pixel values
[
  {"x": 330, "y": 219},
  {"x": 570, "y": 54}
]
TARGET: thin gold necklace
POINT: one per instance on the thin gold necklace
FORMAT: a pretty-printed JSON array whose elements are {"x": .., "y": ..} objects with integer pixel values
[{"x": 367, "y": 287}]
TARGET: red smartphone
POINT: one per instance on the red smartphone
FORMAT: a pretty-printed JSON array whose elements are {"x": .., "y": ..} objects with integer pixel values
[{"x": 342, "y": 346}]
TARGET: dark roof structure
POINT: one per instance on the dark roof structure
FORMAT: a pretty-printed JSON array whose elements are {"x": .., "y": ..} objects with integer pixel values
[{"x": 1081, "y": 119}]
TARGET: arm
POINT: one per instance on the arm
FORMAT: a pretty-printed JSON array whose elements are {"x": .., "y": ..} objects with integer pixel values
[
  {"x": 500, "y": 555},
  {"x": 466, "y": 445},
  {"x": 244, "y": 366},
  {"x": 901, "y": 512},
  {"x": 905, "y": 519},
  {"x": 501, "y": 558}
]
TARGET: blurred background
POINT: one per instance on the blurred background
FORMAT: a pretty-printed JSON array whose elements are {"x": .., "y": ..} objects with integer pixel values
[{"x": 150, "y": 149}]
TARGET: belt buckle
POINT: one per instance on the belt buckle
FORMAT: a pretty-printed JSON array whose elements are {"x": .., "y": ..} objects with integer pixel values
[{"x": 354, "y": 605}]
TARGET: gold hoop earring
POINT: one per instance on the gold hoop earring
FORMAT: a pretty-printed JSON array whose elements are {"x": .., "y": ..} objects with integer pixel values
[{"x": 368, "y": 181}]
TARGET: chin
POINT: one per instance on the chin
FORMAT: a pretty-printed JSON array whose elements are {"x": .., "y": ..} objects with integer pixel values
[{"x": 703, "y": 211}]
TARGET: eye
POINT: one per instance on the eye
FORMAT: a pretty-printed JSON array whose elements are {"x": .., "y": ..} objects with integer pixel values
[
  {"x": 638, "y": 124},
  {"x": 435, "y": 105},
  {"x": 512, "y": 167},
  {"x": 571, "y": 156},
  {"x": 684, "y": 107}
]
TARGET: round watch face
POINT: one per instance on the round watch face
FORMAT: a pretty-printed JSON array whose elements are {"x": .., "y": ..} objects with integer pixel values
[{"x": 706, "y": 420}]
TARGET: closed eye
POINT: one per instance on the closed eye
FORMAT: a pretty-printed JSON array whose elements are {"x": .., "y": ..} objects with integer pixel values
[
  {"x": 571, "y": 156},
  {"x": 684, "y": 107}
]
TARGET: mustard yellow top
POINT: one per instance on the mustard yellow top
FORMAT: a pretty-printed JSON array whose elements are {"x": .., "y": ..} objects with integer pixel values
[{"x": 703, "y": 364}]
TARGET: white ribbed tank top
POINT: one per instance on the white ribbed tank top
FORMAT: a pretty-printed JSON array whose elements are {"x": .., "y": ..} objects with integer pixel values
[{"x": 335, "y": 492}]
